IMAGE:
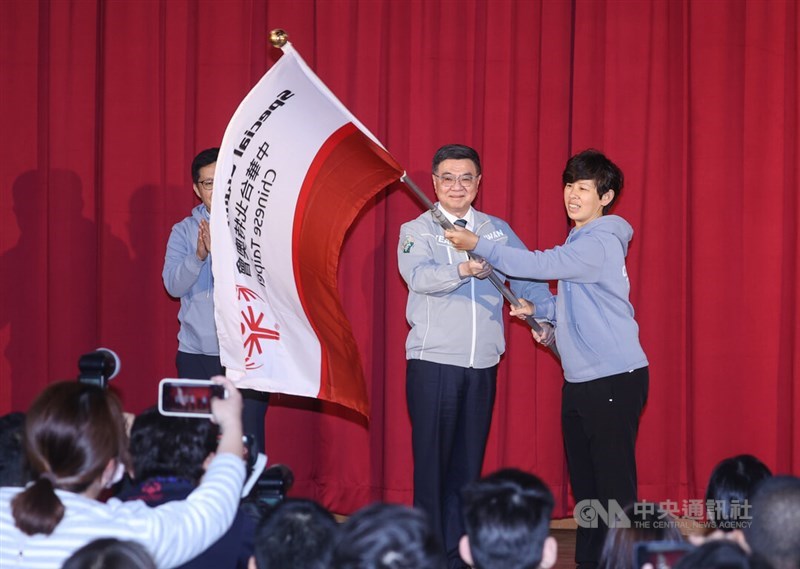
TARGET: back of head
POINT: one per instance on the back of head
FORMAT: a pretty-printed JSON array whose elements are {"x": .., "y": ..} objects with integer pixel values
[
  {"x": 110, "y": 553},
  {"x": 387, "y": 536},
  {"x": 72, "y": 432},
  {"x": 648, "y": 523},
  {"x": 592, "y": 164},
  {"x": 730, "y": 489},
  {"x": 171, "y": 446},
  {"x": 507, "y": 519},
  {"x": 203, "y": 159},
  {"x": 716, "y": 554},
  {"x": 774, "y": 529},
  {"x": 13, "y": 467},
  {"x": 295, "y": 534},
  {"x": 456, "y": 152}
]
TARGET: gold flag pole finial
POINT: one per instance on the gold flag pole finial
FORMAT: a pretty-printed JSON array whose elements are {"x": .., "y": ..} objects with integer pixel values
[{"x": 278, "y": 37}]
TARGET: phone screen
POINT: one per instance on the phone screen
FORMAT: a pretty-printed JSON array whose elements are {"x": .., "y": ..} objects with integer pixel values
[
  {"x": 187, "y": 398},
  {"x": 661, "y": 554}
]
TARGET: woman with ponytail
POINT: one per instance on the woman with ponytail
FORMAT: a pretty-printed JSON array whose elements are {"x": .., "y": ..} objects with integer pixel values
[{"x": 76, "y": 446}]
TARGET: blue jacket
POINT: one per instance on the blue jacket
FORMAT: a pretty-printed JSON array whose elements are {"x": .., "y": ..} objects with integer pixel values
[
  {"x": 455, "y": 321},
  {"x": 596, "y": 333},
  {"x": 190, "y": 279}
]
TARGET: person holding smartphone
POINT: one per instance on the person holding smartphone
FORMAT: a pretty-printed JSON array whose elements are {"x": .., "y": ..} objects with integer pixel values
[
  {"x": 77, "y": 447},
  {"x": 605, "y": 368}
]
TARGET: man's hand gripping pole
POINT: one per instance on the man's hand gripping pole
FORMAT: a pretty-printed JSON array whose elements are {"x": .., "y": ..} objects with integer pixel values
[{"x": 493, "y": 277}]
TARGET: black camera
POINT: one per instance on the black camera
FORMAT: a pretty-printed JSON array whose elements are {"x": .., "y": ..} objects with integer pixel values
[
  {"x": 98, "y": 367},
  {"x": 270, "y": 488}
]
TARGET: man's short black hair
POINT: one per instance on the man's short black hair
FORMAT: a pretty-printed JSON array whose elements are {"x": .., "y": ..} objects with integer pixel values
[
  {"x": 203, "y": 159},
  {"x": 774, "y": 530},
  {"x": 387, "y": 536},
  {"x": 171, "y": 446},
  {"x": 456, "y": 152},
  {"x": 507, "y": 518},
  {"x": 592, "y": 164},
  {"x": 295, "y": 534}
]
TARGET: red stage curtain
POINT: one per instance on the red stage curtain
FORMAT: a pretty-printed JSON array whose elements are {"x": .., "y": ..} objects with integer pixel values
[{"x": 104, "y": 103}]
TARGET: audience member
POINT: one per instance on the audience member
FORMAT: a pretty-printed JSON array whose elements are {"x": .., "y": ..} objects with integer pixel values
[
  {"x": 76, "y": 446},
  {"x": 648, "y": 523},
  {"x": 13, "y": 469},
  {"x": 774, "y": 530},
  {"x": 387, "y": 536},
  {"x": 507, "y": 519},
  {"x": 730, "y": 489},
  {"x": 110, "y": 553},
  {"x": 170, "y": 456},
  {"x": 294, "y": 534}
]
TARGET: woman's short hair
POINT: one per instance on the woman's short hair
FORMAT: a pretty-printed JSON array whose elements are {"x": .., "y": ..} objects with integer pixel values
[{"x": 592, "y": 164}]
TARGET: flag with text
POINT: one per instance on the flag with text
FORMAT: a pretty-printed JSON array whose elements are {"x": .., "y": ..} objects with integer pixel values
[{"x": 295, "y": 168}]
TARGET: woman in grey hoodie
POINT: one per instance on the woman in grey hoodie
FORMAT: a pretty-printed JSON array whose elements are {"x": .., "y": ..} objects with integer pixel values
[{"x": 605, "y": 368}]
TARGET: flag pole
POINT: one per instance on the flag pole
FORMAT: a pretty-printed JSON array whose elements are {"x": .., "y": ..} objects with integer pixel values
[{"x": 493, "y": 277}]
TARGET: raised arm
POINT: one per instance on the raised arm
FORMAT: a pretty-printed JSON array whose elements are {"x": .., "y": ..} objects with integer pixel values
[{"x": 181, "y": 263}]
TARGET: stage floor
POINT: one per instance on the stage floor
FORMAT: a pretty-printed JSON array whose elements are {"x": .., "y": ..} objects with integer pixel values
[{"x": 566, "y": 548}]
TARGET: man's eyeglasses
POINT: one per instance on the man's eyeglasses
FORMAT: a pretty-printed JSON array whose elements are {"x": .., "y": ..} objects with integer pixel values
[
  {"x": 207, "y": 185},
  {"x": 448, "y": 180}
]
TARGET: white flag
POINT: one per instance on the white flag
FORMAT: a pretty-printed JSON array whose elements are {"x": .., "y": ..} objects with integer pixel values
[{"x": 294, "y": 169}]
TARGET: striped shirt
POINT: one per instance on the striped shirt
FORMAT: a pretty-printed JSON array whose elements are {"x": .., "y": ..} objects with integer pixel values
[{"x": 173, "y": 533}]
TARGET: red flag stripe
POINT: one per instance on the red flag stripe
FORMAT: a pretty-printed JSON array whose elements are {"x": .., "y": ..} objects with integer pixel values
[{"x": 346, "y": 172}]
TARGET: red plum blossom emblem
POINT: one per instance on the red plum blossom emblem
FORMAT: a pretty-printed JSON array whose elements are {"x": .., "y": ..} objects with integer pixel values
[{"x": 253, "y": 328}]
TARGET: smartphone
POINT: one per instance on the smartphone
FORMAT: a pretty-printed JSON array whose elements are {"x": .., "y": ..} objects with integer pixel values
[
  {"x": 661, "y": 554},
  {"x": 188, "y": 397}
]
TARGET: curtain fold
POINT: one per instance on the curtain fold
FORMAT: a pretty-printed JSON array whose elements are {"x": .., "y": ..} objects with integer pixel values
[{"x": 104, "y": 104}]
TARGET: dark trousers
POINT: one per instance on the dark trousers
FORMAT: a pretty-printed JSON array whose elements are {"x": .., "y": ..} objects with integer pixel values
[
  {"x": 255, "y": 403},
  {"x": 198, "y": 366},
  {"x": 600, "y": 420},
  {"x": 451, "y": 411}
]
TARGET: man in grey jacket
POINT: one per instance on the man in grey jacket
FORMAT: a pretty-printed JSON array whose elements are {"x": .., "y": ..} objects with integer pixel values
[
  {"x": 187, "y": 275},
  {"x": 455, "y": 342}
]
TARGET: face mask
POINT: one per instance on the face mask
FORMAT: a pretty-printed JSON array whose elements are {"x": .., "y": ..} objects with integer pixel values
[{"x": 118, "y": 473}]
